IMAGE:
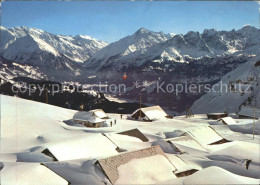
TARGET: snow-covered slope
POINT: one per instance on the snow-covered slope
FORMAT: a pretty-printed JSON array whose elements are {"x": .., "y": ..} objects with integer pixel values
[
  {"x": 18, "y": 42},
  {"x": 216, "y": 175},
  {"x": 28, "y": 128},
  {"x": 239, "y": 87},
  {"x": 10, "y": 70},
  {"x": 30, "y": 174}
]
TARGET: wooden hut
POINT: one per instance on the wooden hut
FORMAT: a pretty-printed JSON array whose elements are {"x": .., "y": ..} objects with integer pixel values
[
  {"x": 227, "y": 121},
  {"x": 99, "y": 113},
  {"x": 88, "y": 119},
  {"x": 216, "y": 116},
  {"x": 149, "y": 113},
  {"x": 135, "y": 133},
  {"x": 111, "y": 165}
]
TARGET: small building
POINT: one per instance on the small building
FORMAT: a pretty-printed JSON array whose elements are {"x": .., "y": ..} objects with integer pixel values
[
  {"x": 182, "y": 144},
  {"x": 186, "y": 144},
  {"x": 216, "y": 116},
  {"x": 249, "y": 112},
  {"x": 99, "y": 113},
  {"x": 227, "y": 121},
  {"x": 135, "y": 133},
  {"x": 88, "y": 119},
  {"x": 182, "y": 168},
  {"x": 87, "y": 147},
  {"x": 149, "y": 113},
  {"x": 125, "y": 142},
  {"x": 112, "y": 165},
  {"x": 206, "y": 136}
]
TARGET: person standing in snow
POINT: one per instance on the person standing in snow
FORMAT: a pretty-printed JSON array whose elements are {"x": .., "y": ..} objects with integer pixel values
[
  {"x": 115, "y": 121},
  {"x": 191, "y": 113},
  {"x": 111, "y": 123},
  {"x": 121, "y": 116},
  {"x": 187, "y": 113}
]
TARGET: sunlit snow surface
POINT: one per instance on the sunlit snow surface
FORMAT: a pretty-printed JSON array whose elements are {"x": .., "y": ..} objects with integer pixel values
[
  {"x": 19, "y": 41},
  {"x": 28, "y": 128}
]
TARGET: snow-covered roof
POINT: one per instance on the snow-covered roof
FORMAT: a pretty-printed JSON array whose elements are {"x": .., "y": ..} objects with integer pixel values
[
  {"x": 239, "y": 151},
  {"x": 90, "y": 147},
  {"x": 249, "y": 111},
  {"x": 186, "y": 141},
  {"x": 135, "y": 133},
  {"x": 175, "y": 133},
  {"x": 149, "y": 170},
  {"x": 30, "y": 174},
  {"x": 152, "y": 113},
  {"x": 99, "y": 113},
  {"x": 228, "y": 121},
  {"x": 180, "y": 164},
  {"x": 87, "y": 116},
  {"x": 217, "y": 175},
  {"x": 125, "y": 142},
  {"x": 110, "y": 165},
  {"x": 205, "y": 135}
]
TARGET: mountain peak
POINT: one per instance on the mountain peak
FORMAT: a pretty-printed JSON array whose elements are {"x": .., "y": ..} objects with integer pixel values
[
  {"x": 192, "y": 34},
  {"x": 142, "y": 31},
  {"x": 210, "y": 31},
  {"x": 248, "y": 28},
  {"x": 84, "y": 37}
]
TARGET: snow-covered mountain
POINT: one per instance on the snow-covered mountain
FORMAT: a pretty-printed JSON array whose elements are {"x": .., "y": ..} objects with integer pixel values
[
  {"x": 145, "y": 45},
  {"x": 239, "y": 87},
  {"x": 10, "y": 70},
  {"x": 146, "y": 56},
  {"x": 198, "y": 58},
  {"x": 17, "y": 42},
  {"x": 128, "y": 47},
  {"x": 57, "y": 56}
]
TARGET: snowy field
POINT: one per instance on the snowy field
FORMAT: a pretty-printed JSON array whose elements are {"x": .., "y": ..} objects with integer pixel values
[{"x": 28, "y": 128}]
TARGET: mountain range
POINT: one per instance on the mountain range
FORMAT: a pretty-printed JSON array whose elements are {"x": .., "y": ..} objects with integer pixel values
[
  {"x": 147, "y": 56},
  {"x": 145, "y": 45},
  {"x": 49, "y": 52}
]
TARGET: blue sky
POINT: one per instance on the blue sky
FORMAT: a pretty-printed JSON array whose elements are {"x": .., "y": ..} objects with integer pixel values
[{"x": 110, "y": 21}]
